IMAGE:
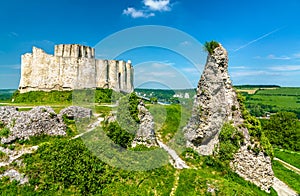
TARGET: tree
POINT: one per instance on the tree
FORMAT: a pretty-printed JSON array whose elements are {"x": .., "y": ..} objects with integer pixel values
[{"x": 283, "y": 130}]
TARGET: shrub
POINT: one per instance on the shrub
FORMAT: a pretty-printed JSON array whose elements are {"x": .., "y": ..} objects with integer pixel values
[
  {"x": 230, "y": 139},
  {"x": 210, "y": 46},
  {"x": 118, "y": 135},
  {"x": 4, "y": 132}
]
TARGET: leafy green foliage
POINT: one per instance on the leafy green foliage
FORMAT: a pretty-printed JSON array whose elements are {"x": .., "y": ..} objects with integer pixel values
[
  {"x": 266, "y": 146},
  {"x": 230, "y": 139},
  {"x": 1, "y": 124},
  {"x": 255, "y": 130},
  {"x": 288, "y": 156},
  {"x": 283, "y": 131},
  {"x": 4, "y": 132},
  {"x": 210, "y": 46},
  {"x": 127, "y": 113},
  {"x": 3, "y": 157},
  {"x": 118, "y": 135},
  {"x": 65, "y": 164},
  {"x": 286, "y": 175},
  {"x": 133, "y": 106},
  {"x": 67, "y": 167}
]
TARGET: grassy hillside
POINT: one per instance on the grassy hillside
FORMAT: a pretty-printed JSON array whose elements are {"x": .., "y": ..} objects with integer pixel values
[
  {"x": 67, "y": 167},
  {"x": 290, "y": 157}
]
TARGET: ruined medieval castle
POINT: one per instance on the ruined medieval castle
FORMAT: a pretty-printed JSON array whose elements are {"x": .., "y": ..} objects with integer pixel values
[{"x": 71, "y": 67}]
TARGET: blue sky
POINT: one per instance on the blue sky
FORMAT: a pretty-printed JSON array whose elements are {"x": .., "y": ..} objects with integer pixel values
[{"x": 262, "y": 37}]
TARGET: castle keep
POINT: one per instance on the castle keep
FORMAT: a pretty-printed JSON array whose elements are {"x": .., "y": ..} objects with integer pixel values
[{"x": 71, "y": 67}]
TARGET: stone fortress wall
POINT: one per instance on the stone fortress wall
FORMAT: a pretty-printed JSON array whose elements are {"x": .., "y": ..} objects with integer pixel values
[{"x": 73, "y": 66}]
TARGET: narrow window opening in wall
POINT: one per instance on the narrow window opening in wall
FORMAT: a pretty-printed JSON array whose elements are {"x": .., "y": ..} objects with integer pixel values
[
  {"x": 119, "y": 80},
  {"x": 80, "y": 52},
  {"x": 107, "y": 71},
  {"x": 125, "y": 75}
]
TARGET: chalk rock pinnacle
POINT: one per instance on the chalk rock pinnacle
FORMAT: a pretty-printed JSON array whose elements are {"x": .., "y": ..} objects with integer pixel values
[{"x": 216, "y": 103}]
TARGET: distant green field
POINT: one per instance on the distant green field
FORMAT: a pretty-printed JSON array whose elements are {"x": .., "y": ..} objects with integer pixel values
[
  {"x": 283, "y": 91},
  {"x": 273, "y": 100}
]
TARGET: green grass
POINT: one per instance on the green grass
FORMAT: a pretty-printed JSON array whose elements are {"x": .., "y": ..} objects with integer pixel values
[
  {"x": 274, "y": 100},
  {"x": 67, "y": 167},
  {"x": 289, "y": 177},
  {"x": 283, "y": 91},
  {"x": 169, "y": 119},
  {"x": 281, "y": 102},
  {"x": 290, "y": 157},
  {"x": 212, "y": 171}
]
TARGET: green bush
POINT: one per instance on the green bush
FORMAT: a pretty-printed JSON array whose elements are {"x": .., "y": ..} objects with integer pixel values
[
  {"x": 230, "y": 140},
  {"x": 210, "y": 46},
  {"x": 255, "y": 130},
  {"x": 127, "y": 113},
  {"x": 118, "y": 135},
  {"x": 4, "y": 132}
]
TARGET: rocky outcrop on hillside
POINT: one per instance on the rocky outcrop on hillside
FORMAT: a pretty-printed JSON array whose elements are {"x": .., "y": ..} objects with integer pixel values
[
  {"x": 41, "y": 120},
  {"x": 215, "y": 104},
  {"x": 145, "y": 134},
  {"x": 38, "y": 121},
  {"x": 254, "y": 168},
  {"x": 75, "y": 112}
]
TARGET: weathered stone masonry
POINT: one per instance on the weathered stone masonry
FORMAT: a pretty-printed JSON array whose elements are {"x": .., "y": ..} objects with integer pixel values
[{"x": 71, "y": 67}]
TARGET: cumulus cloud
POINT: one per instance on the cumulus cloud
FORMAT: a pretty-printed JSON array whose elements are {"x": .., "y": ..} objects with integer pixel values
[
  {"x": 149, "y": 7},
  {"x": 137, "y": 13},
  {"x": 158, "y": 5}
]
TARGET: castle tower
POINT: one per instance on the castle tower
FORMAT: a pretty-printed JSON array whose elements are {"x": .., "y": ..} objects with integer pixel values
[{"x": 72, "y": 66}]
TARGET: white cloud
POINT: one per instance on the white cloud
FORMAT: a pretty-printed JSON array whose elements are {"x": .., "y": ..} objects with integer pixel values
[
  {"x": 286, "y": 68},
  {"x": 253, "y": 73},
  {"x": 137, "y": 13},
  {"x": 158, "y": 5},
  {"x": 15, "y": 66},
  {"x": 273, "y": 57},
  {"x": 237, "y": 67},
  {"x": 149, "y": 6}
]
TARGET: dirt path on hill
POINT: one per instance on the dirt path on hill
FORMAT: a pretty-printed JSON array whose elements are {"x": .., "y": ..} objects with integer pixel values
[{"x": 282, "y": 189}]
